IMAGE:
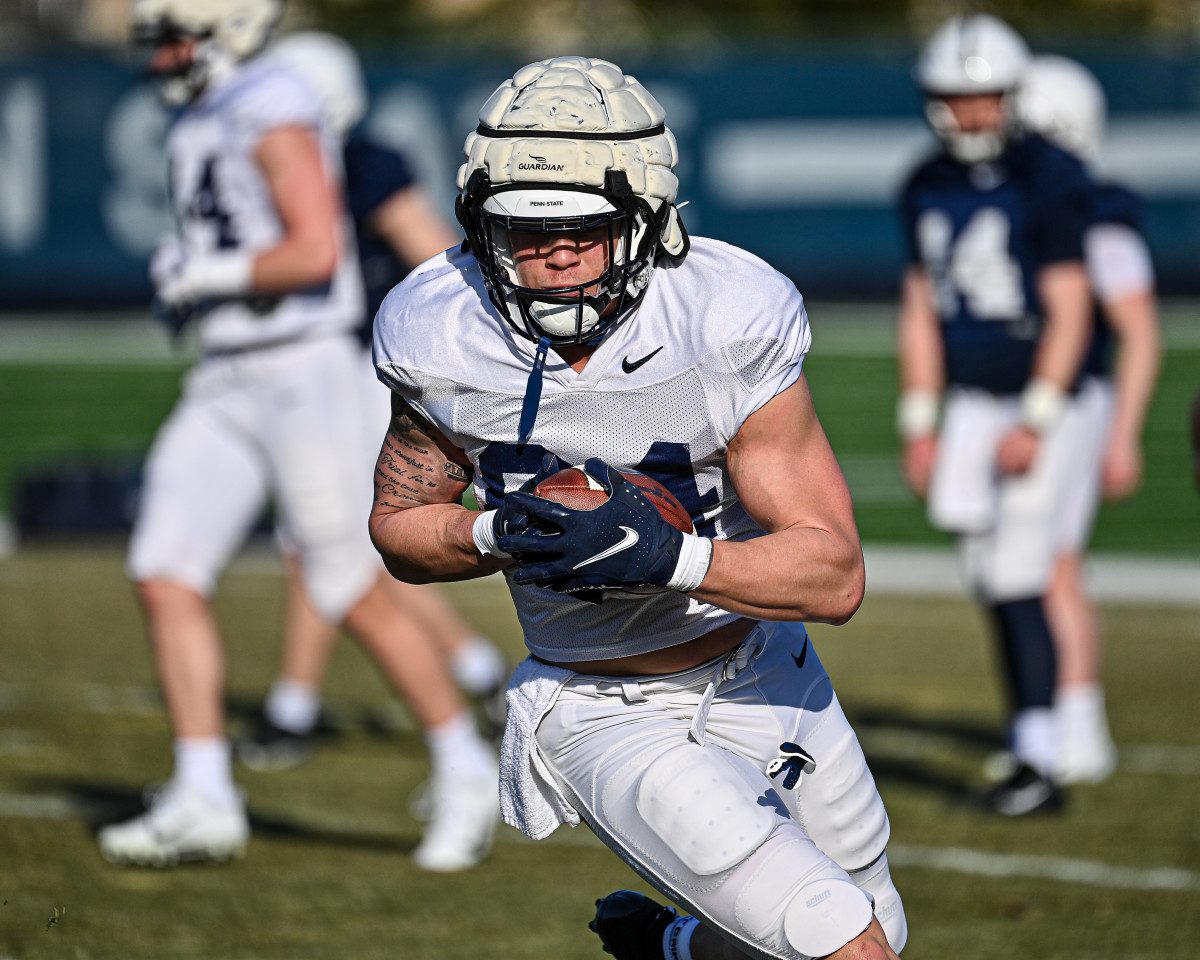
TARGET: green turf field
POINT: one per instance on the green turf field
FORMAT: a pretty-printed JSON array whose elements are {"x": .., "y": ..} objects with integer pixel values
[
  {"x": 107, "y": 414},
  {"x": 327, "y": 874}
]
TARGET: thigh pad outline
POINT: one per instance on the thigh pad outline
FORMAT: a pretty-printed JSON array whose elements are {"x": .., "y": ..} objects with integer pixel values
[{"x": 698, "y": 804}]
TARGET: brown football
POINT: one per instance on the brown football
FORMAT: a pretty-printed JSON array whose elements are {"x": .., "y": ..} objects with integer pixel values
[{"x": 574, "y": 487}]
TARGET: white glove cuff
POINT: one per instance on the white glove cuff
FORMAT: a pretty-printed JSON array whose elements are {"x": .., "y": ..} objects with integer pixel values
[
  {"x": 1042, "y": 403},
  {"x": 695, "y": 557},
  {"x": 917, "y": 414},
  {"x": 228, "y": 274},
  {"x": 483, "y": 532}
]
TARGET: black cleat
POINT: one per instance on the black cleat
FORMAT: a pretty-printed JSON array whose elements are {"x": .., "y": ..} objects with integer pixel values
[
  {"x": 268, "y": 748},
  {"x": 1026, "y": 791},
  {"x": 630, "y": 925}
]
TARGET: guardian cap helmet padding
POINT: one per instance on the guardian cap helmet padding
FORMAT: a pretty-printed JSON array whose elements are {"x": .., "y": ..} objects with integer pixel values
[
  {"x": 1064, "y": 102},
  {"x": 567, "y": 145},
  {"x": 975, "y": 54},
  {"x": 229, "y": 31}
]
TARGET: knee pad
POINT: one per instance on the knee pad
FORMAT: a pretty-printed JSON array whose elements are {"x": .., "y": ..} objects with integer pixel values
[
  {"x": 876, "y": 882},
  {"x": 698, "y": 803},
  {"x": 825, "y": 915}
]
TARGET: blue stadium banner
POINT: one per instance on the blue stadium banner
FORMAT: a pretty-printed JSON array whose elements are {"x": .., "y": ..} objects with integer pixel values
[{"x": 797, "y": 160}]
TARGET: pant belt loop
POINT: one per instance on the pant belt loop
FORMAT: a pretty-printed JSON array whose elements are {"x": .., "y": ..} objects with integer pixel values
[{"x": 631, "y": 690}]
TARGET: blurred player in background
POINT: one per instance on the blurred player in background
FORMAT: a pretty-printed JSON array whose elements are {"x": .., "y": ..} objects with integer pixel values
[
  {"x": 1064, "y": 102},
  {"x": 263, "y": 265},
  {"x": 672, "y": 699},
  {"x": 396, "y": 228},
  {"x": 995, "y": 314}
]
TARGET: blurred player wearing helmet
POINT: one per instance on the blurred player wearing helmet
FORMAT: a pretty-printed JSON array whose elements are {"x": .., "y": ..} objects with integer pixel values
[
  {"x": 1064, "y": 102},
  {"x": 691, "y": 725},
  {"x": 995, "y": 315},
  {"x": 396, "y": 228},
  {"x": 263, "y": 267}
]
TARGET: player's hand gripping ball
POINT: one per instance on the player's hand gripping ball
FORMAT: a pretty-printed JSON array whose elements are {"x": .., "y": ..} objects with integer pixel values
[{"x": 592, "y": 528}]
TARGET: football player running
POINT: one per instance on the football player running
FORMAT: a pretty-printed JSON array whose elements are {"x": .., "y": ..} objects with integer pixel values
[
  {"x": 672, "y": 699},
  {"x": 263, "y": 266},
  {"x": 995, "y": 316},
  {"x": 396, "y": 228},
  {"x": 1064, "y": 102}
]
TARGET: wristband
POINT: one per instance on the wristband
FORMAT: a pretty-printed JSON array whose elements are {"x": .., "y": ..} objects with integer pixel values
[
  {"x": 1042, "y": 402},
  {"x": 917, "y": 414},
  {"x": 227, "y": 274},
  {"x": 695, "y": 557},
  {"x": 483, "y": 532}
]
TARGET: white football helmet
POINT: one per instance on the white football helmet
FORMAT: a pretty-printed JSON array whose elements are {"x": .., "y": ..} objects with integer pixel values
[
  {"x": 228, "y": 32},
  {"x": 333, "y": 68},
  {"x": 1064, "y": 102},
  {"x": 566, "y": 145},
  {"x": 968, "y": 55}
]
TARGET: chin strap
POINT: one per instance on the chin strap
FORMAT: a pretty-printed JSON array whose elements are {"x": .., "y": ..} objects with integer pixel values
[{"x": 533, "y": 394}]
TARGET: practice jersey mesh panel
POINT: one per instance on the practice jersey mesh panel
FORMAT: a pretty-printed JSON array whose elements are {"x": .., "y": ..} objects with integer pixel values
[{"x": 753, "y": 359}]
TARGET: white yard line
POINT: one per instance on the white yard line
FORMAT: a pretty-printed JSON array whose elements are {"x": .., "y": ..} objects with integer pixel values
[
  {"x": 33, "y": 806},
  {"x": 1062, "y": 869}
]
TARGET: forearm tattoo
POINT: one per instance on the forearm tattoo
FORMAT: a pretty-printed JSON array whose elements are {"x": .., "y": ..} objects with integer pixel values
[{"x": 413, "y": 467}]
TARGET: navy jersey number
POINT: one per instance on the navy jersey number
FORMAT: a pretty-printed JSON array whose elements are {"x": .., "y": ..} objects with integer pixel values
[
  {"x": 668, "y": 463},
  {"x": 206, "y": 205}
]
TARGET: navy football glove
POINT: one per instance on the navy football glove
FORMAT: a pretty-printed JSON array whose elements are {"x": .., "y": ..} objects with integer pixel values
[{"x": 623, "y": 543}]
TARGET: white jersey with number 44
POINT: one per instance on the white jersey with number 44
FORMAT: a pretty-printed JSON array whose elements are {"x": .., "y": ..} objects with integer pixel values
[
  {"x": 715, "y": 338},
  {"x": 222, "y": 203}
]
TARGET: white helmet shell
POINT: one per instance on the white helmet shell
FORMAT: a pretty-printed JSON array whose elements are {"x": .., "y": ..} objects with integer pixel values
[
  {"x": 968, "y": 55},
  {"x": 977, "y": 53},
  {"x": 1063, "y": 101},
  {"x": 228, "y": 32}
]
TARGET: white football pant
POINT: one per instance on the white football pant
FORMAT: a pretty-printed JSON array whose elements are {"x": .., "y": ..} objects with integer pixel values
[
  {"x": 784, "y": 869},
  {"x": 286, "y": 422},
  {"x": 1012, "y": 528}
]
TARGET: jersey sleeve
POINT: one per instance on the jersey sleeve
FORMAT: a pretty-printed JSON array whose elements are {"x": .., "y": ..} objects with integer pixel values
[
  {"x": 761, "y": 361},
  {"x": 374, "y": 173},
  {"x": 1118, "y": 261},
  {"x": 1061, "y": 196},
  {"x": 275, "y": 98},
  {"x": 908, "y": 222}
]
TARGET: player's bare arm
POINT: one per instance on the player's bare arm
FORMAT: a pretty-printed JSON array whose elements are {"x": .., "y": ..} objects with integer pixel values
[
  {"x": 919, "y": 346},
  {"x": 308, "y": 206},
  {"x": 1134, "y": 317},
  {"x": 810, "y": 566},
  {"x": 1067, "y": 300},
  {"x": 417, "y": 523},
  {"x": 409, "y": 224}
]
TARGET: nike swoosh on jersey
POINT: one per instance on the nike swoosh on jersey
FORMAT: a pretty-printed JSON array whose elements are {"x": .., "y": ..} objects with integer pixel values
[
  {"x": 803, "y": 655},
  {"x": 629, "y": 366},
  {"x": 627, "y": 541}
]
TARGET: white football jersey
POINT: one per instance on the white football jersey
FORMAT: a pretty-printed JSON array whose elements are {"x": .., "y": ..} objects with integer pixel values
[
  {"x": 222, "y": 202},
  {"x": 715, "y": 338}
]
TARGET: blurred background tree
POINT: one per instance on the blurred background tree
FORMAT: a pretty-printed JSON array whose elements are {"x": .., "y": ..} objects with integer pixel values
[{"x": 629, "y": 28}]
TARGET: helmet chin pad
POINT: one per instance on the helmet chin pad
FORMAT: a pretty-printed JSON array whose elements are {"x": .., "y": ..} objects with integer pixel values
[{"x": 560, "y": 319}]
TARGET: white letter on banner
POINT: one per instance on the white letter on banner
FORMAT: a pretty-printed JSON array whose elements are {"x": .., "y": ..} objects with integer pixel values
[
  {"x": 136, "y": 206},
  {"x": 22, "y": 165}
]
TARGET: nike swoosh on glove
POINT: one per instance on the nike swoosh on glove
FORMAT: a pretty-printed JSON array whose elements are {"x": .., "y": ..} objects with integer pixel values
[{"x": 620, "y": 544}]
